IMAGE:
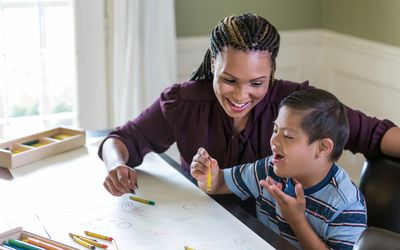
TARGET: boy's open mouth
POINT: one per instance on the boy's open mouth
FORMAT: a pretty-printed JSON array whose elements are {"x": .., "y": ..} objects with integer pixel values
[{"x": 278, "y": 157}]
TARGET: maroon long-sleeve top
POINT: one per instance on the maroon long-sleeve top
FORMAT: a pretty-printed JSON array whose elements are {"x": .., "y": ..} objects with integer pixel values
[{"x": 190, "y": 115}]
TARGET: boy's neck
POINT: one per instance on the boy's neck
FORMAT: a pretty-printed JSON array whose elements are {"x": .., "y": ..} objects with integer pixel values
[{"x": 316, "y": 174}]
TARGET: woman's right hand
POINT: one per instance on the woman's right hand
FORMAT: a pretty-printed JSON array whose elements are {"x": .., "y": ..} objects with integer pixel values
[
  {"x": 120, "y": 180},
  {"x": 201, "y": 164}
]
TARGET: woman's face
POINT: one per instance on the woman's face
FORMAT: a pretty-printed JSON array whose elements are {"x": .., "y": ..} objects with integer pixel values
[{"x": 241, "y": 80}]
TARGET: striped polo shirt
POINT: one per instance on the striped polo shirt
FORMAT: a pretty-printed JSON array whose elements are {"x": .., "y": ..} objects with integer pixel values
[{"x": 335, "y": 207}]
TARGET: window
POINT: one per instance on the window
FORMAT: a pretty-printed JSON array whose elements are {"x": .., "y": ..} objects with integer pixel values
[{"x": 37, "y": 65}]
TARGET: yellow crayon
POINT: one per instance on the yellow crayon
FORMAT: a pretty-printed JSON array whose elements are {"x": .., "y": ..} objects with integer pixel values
[
  {"x": 39, "y": 144},
  {"x": 93, "y": 242},
  {"x": 61, "y": 136},
  {"x": 98, "y": 236},
  {"x": 138, "y": 199},
  {"x": 81, "y": 237},
  {"x": 82, "y": 243},
  {"x": 189, "y": 248},
  {"x": 209, "y": 179}
]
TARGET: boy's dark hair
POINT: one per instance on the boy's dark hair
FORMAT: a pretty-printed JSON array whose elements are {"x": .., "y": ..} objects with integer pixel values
[
  {"x": 246, "y": 32},
  {"x": 326, "y": 117}
]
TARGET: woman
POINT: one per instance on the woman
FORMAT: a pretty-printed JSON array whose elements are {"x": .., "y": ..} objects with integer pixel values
[{"x": 228, "y": 107}]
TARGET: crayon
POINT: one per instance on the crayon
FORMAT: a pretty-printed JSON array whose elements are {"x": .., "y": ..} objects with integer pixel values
[
  {"x": 93, "y": 242},
  {"x": 80, "y": 236},
  {"x": 23, "y": 245},
  {"x": 45, "y": 245},
  {"x": 30, "y": 143},
  {"x": 135, "y": 198},
  {"x": 189, "y": 248},
  {"x": 209, "y": 179},
  {"x": 36, "y": 143},
  {"x": 61, "y": 136},
  {"x": 98, "y": 236},
  {"x": 39, "y": 144},
  {"x": 15, "y": 151},
  {"x": 82, "y": 243}
]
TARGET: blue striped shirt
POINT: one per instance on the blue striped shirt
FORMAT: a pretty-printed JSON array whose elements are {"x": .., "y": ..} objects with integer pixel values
[{"x": 335, "y": 207}]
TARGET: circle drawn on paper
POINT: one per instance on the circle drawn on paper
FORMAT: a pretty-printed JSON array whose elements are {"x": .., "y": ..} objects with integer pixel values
[
  {"x": 124, "y": 225},
  {"x": 143, "y": 210},
  {"x": 190, "y": 206}
]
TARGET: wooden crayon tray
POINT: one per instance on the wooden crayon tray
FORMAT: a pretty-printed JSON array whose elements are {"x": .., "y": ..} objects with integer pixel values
[
  {"x": 23, "y": 150},
  {"x": 19, "y": 234}
]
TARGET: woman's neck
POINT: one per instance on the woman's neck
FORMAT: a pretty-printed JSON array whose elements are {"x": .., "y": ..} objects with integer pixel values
[{"x": 239, "y": 124}]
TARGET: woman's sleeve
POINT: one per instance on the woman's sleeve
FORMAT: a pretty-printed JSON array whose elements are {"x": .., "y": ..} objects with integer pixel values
[
  {"x": 151, "y": 130},
  {"x": 366, "y": 133}
]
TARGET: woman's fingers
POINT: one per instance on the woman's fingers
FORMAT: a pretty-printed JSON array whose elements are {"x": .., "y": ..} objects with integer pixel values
[{"x": 121, "y": 180}]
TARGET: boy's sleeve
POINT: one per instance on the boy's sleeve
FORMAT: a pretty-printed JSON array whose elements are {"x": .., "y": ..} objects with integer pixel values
[
  {"x": 243, "y": 180},
  {"x": 344, "y": 230}
]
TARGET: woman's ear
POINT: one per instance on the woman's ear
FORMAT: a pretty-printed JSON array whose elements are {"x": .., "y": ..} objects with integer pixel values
[{"x": 325, "y": 147}]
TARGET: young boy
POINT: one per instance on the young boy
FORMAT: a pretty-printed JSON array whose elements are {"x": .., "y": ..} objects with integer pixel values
[{"x": 300, "y": 191}]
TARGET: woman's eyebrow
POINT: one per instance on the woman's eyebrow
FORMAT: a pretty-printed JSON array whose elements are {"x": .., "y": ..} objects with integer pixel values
[{"x": 251, "y": 80}]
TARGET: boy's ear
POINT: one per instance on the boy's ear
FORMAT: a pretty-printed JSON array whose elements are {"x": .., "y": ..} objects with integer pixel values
[{"x": 325, "y": 147}]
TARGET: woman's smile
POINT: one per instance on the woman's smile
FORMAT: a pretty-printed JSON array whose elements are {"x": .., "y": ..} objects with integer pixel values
[{"x": 238, "y": 107}]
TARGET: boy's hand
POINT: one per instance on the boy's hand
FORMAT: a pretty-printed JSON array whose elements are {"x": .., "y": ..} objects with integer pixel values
[
  {"x": 201, "y": 165},
  {"x": 292, "y": 208}
]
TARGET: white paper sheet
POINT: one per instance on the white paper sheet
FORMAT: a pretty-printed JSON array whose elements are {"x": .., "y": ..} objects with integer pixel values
[{"x": 66, "y": 191}]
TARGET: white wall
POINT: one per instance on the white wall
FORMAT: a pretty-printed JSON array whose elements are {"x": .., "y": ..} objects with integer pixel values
[{"x": 365, "y": 75}]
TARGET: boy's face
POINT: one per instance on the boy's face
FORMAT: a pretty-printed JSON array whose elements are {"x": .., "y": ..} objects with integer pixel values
[{"x": 292, "y": 154}]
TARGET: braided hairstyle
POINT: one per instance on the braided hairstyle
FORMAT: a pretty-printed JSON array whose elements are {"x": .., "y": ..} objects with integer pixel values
[{"x": 246, "y": 32}]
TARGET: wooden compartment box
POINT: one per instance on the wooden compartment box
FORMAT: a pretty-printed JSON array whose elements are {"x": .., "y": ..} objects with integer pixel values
[
  {"x": 19, "y": 234},
  {"x": 23, "y": 150}
]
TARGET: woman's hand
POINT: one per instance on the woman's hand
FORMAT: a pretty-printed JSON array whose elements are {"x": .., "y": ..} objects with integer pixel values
[
  {"x": 200, "y": 168},
  {"x": 120, "y": 180}
]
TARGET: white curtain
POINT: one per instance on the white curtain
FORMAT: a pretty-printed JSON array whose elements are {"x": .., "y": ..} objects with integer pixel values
[{"x": 141, "y": 54}]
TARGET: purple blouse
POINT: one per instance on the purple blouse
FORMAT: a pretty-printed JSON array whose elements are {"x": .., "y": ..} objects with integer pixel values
[{"x": 190, "y": 115}]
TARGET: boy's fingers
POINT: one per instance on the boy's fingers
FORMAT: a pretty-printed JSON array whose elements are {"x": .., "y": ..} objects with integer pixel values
[
  {"x": 279, "y": 196},
  {"x": 271, "y": 181},
  {"x": 299, "y": 191}
]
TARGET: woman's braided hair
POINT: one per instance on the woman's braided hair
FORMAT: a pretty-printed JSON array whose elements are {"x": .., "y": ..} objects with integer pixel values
[{"x": 246, "y": 32}]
